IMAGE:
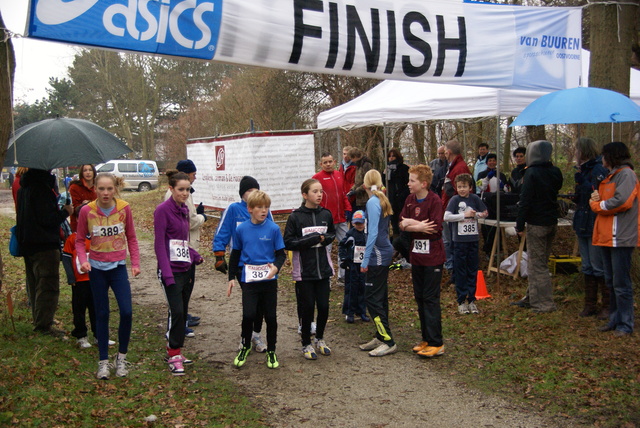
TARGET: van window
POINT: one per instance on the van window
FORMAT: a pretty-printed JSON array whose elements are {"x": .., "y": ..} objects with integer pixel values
[
  {"x": 127, "y": 167},
  {"x": 107, "y": 167},
  {"x": 146, "y": 168}
]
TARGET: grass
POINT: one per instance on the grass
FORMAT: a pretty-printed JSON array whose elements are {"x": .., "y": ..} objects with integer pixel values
[
  {"x": 49, "y": 382},
  {"x": 554, "y": 363}
]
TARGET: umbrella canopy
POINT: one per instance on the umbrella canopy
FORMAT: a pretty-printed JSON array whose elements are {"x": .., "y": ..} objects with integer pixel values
[
  {"x": 579, "y": 105},
  {"x": 61, "y": 142}
]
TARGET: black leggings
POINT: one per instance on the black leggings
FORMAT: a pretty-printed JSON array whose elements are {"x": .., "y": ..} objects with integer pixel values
[
  {"x": 310, "y": 294},
  {"x": 258, "y": 299}
]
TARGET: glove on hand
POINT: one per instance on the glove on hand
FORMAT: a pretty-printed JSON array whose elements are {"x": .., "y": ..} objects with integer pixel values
[
  {"x": 491, "y": 174},
  {"x": 221, "y": 263}
]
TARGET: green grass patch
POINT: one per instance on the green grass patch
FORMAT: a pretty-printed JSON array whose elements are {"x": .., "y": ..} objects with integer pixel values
[{"x": 50, "y": 382}]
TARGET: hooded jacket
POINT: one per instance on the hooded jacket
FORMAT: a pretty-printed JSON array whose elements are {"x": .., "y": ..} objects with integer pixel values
[
  {"x": 538, "y": 204},
  {"x": 302, "y": 235},
  {"x": 397, "y": 189},
  {"x": 80, "y": 192},
  {"x": 589, "y": 176},
  {"x": 617, "y": 211},
  {"x": 38, "y": 217}
]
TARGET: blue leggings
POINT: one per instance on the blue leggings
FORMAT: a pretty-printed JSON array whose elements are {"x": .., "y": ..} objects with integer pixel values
[{"x": 118, "y": 280}]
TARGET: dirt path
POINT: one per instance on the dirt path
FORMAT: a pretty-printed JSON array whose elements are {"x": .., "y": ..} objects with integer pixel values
[{"x": 349, "y": 388}]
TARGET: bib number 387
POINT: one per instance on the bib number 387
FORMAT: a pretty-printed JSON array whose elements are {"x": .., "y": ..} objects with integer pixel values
[{"x": 255, "y": 273}]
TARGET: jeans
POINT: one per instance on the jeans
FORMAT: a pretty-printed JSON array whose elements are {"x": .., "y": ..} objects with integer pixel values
[
  {"x": 177, "y": 295},
  {"x": 426, "y": 290},
  {"x": 540, "y": 290},
  {"x": 591, "y": 256},
  {"x": 312, "y": 293},
  {"x": 260, "y": 298},
  {"x": 617, "y": 276},
  {"x": 43, "y": 286},
  {"x": 465, "y": 267},
  {"x": 447, "y": 239},
  {"x": 376, "y": 294},
  {"x": 118, "y": 280}
]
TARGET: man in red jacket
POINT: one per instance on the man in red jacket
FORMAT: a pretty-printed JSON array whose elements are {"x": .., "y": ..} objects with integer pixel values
[
  {"x": 334, "y": 197},
  {"x": 348, "y": 171},
  {"x": 457, "y": 166}
]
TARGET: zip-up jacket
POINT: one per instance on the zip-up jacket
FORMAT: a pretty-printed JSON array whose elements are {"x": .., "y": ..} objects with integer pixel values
[
  {"x": 617, "y": 211},
  {"x": 79, "y": 192},
  {"x": 171, "y": 221},
  {"x": 587, "y": 179},
  {"x": 302, "y": 235},
  {"x": 232, "y": 217},
  {"x": 110, "y": 235},
  {"x": 333, "y": 196},
  {"x": 379, "y": 251}
]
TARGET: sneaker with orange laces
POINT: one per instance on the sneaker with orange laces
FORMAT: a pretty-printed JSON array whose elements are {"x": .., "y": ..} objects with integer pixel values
[
  {"x": 432, "y": 351},
  {"x": 420, "y": 346}
]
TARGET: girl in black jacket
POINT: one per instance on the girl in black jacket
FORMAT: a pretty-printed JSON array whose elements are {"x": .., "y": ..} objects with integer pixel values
[{"x": 308, "y": 233}]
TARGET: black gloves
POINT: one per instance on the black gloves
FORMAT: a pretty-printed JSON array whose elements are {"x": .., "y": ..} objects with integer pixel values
[
  {"x": 200, "y": 210},
  {"x": 221, "y": 263}
]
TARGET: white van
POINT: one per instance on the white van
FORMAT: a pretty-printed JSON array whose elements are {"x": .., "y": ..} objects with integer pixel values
[{"x": 140, "y": 175}]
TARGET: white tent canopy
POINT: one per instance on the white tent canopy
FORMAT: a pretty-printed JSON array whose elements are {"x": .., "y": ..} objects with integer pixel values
[{"x": 394, "y": 101}]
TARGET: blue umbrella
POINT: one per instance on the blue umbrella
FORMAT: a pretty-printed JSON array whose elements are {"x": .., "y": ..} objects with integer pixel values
[{"x": 579, "y": 105}]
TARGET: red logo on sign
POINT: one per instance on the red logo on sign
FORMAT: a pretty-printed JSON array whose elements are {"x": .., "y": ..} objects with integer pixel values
[{"x": 219, "y": 158}]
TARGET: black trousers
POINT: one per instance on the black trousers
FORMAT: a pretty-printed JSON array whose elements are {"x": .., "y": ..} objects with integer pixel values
[
  {"x": 260, "y": 299},
  {"x": 81, "y": 302},
  {"x": 376, "y": 295},
  {"x": 311, "y": 294},
  {"x": 426, "y": 290},
  {"x": 177, "y": 299}
]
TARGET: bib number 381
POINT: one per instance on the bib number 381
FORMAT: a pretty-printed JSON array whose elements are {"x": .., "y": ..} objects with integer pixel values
[
  {"x": 421, "y": 246},
  {"x": 179, "y": 250},
  {"x": 255, "y": 273}
]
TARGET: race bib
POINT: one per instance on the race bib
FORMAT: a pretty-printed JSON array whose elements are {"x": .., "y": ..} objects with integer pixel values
[
  {"x": 179, "y": 251},
  {"x": 468, "y": 226},
  {"x": 314, "y": 229},
  {"x": 358, "y": 253},
  {"x": 421, "y": 246},
  {"x": 110, "y": 230},
  {"x": 255, "y": 273}
]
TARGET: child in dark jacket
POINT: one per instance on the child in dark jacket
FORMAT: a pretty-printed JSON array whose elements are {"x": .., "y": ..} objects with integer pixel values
[{"x": 350, "y": 252}]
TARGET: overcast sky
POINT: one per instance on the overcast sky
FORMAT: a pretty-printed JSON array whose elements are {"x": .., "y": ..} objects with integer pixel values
[{"x": 36, "y": 61}]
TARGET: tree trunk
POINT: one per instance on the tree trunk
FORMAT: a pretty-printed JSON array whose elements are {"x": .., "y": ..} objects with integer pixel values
[
  {"x": 506, "y": 151},
  {"x": 7, "y": 69},
  {"x": 418, "y": 141},
  {"x": 613, "y": 34}
]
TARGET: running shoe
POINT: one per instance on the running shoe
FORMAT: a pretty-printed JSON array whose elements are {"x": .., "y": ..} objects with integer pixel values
[
  {"x": 104, "y": 369},
  {"x": 322, "y": 347},
  {"x": 122, "y": 366},
  {"x": 272, "y": 360},
  {"x": 383, "y": 350},
  {"x": 188, "y": 332},
  {"x": 242, "y": 357},
  {"x": 463, "y": 309},
  {"x": 309, "y": 353},
  {"x": 83, "y": 343},
  {"x": 420, "y": 346},
  {"x": 432, "y": 351},
  {"x": 371, "y": 345},
  {"x": 175, "y": 365},
  {"x": 473, "y": 308},
  {"x": 258, "y": 344}
]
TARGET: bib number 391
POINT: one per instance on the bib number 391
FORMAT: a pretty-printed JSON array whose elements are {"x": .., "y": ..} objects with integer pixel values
[
  {"x": 255, "y": 273},
  {"x": 421, "y": 246},
  {"x": 179, "y": 251}
]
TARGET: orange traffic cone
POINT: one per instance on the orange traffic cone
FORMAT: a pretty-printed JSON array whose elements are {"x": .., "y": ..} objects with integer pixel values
[{"x": 481, "y": 287}]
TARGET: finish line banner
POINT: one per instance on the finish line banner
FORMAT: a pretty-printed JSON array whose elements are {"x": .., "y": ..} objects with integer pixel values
[{"x": 436, "y": 41}]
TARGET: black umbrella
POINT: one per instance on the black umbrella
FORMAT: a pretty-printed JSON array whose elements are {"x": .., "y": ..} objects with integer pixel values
[{"x": 61, "y": 142}]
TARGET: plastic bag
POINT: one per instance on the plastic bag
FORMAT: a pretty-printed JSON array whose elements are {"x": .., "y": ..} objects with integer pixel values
[
  {"x": 509, "y": 264},
  {"x": 14, "y": 245}
]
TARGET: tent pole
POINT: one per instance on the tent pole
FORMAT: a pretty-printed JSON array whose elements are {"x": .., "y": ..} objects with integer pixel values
[
  {"x": 498, "y": 231},
  {"x": 339, "y": 143}
]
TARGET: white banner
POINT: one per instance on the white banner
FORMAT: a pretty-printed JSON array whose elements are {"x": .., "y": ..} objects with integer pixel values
[
  {"x": 280, "y": 161},
  {"x": 432, "y": 41}
]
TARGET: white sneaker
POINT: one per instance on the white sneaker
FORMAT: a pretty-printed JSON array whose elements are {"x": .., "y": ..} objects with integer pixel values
[
  {"x": 257, "y": 342},
  {"x": 383, "y": 350},
  {"x": 473, "y": 308},
  {"x": 111, "y": 342},
  {"x": 122, "y": 366},
  {"x": 83, "y": 343},
  {"x": 322, "y": 347},
  {"x": 104, "y": 369},
  {"x": 314, "y": 326},
  {"x": 463, "y": 309},
  {"x": 371, "y": 345}
]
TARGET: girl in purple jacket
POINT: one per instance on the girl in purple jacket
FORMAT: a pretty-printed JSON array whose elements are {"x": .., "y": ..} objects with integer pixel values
[{"x": 175, "y": 258}]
